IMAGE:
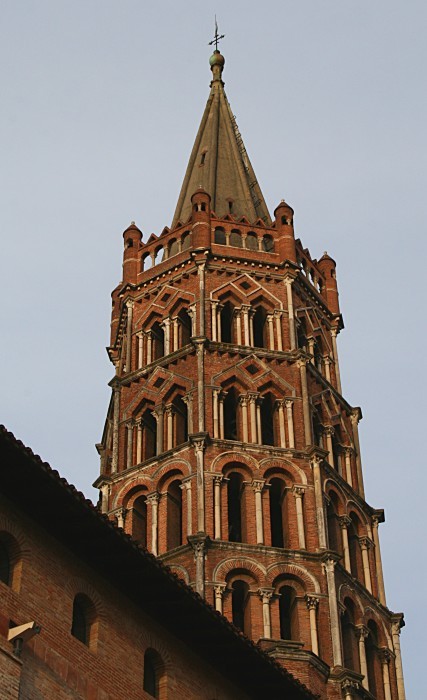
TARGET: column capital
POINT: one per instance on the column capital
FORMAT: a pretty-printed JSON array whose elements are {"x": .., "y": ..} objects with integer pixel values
[
  {"x": 289, "y": 403},
  {"x": 302, "y": 362},
  {"x": 378, "y": 517},
  {"x": 278, "y": 313},
  {"x": 365, "y": 542},
  {"x": 355, "y": 415},
  {"x": 218, "y": 478},
  {"x": 153, "y": 498},
  {"x": 298, "y": 490},
  {"x": 326, "y": 359},
  {"x": 350, "y": 686},
  {"x": 219, "y": 588},
  {"x": 329, "y": 563},
  {"x": 266, "y": 594},
  {"x": 361, "y": 631},
  {"x": 344, "y": 521},
  {"x": 312, "y": 601},
  {"x": 169, "y": 408},
  {"x": 258, "y": 485},
  {"x": 129, "y": 303},
  {"x": 385, "y": 655},
  {"x": 280, "y": 402},
  {"x": 253, "y": 396},
  {"x": 185, "y": 485},
  {"x": 316, "y": 461},
  {"x": 199, "y": 544},
  {"x": 328, "y": 430},
  {"x": 198, "y": 440}
]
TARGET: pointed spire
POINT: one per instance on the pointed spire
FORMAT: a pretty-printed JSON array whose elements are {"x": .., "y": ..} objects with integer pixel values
[{"x": 219, "y": 162}]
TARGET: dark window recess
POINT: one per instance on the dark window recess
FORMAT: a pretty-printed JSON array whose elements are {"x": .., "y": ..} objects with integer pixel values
[{"x": 4, "y": 565}]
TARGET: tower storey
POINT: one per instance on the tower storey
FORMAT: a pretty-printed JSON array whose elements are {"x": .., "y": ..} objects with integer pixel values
[{"x": 229, "y": 450}]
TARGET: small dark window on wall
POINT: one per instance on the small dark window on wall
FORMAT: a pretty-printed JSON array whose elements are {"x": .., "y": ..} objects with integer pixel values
[
  {"x": 4, "y": 564},
  {"x": 84, "y": 619},
  {"x": 154, "y": 676}
]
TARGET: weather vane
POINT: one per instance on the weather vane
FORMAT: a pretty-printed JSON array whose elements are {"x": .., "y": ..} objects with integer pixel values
[{"x": 217, "y": 37}]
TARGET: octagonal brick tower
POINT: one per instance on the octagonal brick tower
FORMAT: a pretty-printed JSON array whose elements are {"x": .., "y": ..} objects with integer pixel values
[{"x": 229, "y": 450}]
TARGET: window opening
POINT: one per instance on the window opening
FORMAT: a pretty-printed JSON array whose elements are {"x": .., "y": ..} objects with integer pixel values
[
  {"x": 230, "y": 415},
  {"x": 277, "y": 512},
  {"x": 234, "y": 498}
]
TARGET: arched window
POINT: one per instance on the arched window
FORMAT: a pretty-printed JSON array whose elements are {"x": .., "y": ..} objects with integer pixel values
[
  {"x": 234, "y": 505},
  {"x": 227, "y": 334},
  {"x": 317, "y": 427},
  {"x": 252, "y": 241},
  {"x": 174, "y": 515},
  {"x": 158, "y": 255},
  {"x": 336, "y": 448},
  {"x": 158, "y": 341},
  {"x": 288, "y": 613},
  {"x": 185, "y": 327},
  {"x": 268, "y": 244},
  {"x": 180, "y": 415},
  {"x": 149, "y": 425},
  {"x": 239, "y": 605},
  {"x": 146, "y": 262},
  {"x": 267, "y": 419},
  {"x": 219, "y": 236},
  {"x": 5, "y": 564},
  {"x": 154, "y": 674},
  {"x": 236, "y": 238},
  {"x": 318, "y": 353},
  {"x": 372, "y": 660},
  {"x": 302, "y": 333},
  {"x": 349, "y": 641},
  {"x": 259, "y": 327},
  {"x": 277, "y": 494},
  {"x": 84, "y": 619},
  {"x": 173, "y": 247},
  {"x": 10, "y": 568},
  {"x": 334, "y": 530},
  {"x": 139, "y": 520},
  {"x": 186, "y": 240},
  {"x": 354, "y": 546},
  {"x": 230, "y": 415}
]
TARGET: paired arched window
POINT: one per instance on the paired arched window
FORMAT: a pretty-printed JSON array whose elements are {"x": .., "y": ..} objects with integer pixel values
[
  {"x": 139, "y": 520},
  {"x": 230, "y": 415},
  {"x": 180, "y": 421},
  {"x": 277, "y": 495},
  {"x": 349, "y": 641},
  {"x": 234, "y": 506},
  {"x": 83, "y": 620},
  {"x": 174, "y": 515},
  {"x": 149, "y": 427},
  {"x": 226, "y": 319},
  {"x": 158, "y": 337},
  {"x": 288, "y": 613},
  {"x": 334, "y": 530},
  {"x": 240, "y": 606},
  {"x": 259, "y": 320},
  {"x": 354, "y": 530},
  {"x": 185, "y": 328},
  {"x": 373, "y": 661},
  {"x": 267, "y": 419},
  {"x": 154, "y": 674}
]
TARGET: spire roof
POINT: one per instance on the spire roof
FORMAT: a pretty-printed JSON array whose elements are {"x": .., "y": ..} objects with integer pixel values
[{"x": 219, "y": 162}]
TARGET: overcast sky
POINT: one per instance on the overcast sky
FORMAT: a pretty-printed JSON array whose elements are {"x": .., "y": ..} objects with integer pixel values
[{"x": 100, "y": 103}]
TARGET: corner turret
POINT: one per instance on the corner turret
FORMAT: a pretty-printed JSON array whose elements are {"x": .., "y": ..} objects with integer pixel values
[
  {"x": 327, "y": 267},
  {"x": 284, "y": 218},
  {"x": 132, "y": 237}
]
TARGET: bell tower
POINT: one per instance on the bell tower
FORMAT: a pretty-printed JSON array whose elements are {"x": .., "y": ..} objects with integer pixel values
[{"x": 229, "y": 450}]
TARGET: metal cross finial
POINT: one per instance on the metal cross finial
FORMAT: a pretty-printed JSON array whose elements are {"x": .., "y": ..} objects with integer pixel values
[{"x": 217, "y": 37}]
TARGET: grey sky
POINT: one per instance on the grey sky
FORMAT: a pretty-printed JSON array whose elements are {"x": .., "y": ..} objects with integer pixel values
[{"x": 100, "y": 105}]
